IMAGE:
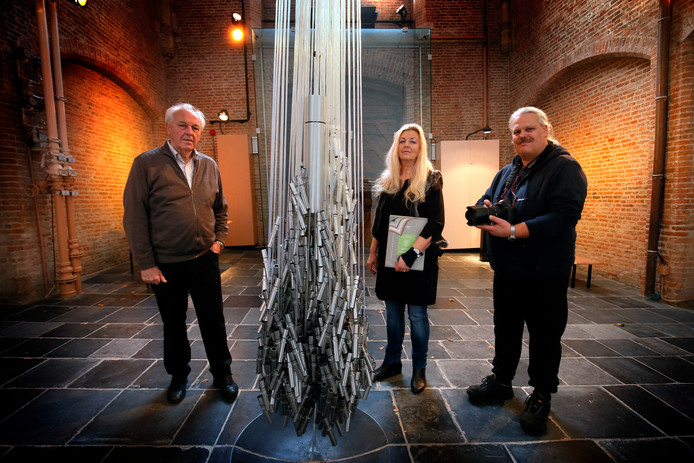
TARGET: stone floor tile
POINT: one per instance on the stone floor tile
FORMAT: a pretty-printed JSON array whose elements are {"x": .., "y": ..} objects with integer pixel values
[
  {"x": 167, "y": 454},
  {"x": 630, "y": 371},
  {"x": 629, "y": 451},
  {"x": 683, "y": 343},
  {"x": 581, "y": 372},
  {"x": 495, "y": 422},
  {"x": 470, "y": 349},
  {"x": 675, "y": 368},
  {"x": 590, "y": 348},
  {"x": 122, "y": 348},
  {"x": 53, "y": 373},
  {"x": 653, "y": 409},
  {"x": 425, "y": 417},
  {"x": 590, "y": 412},
  {"x": 577, "y": 451},
  {"x": 110, "y": 374},
  {"x": 23, "y": 454},
  {"x": 455, "y": 453},
  {"x": 138, "y": 417},
  {"x": 55, "y": 417},
  {"x": 678, "y": 396},
  {"x": 381, "y": 406}
]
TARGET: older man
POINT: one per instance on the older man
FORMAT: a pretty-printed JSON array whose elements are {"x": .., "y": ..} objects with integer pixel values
[
  {"x": 176, "y": 223},
  {"x": 532, "y": 257}
]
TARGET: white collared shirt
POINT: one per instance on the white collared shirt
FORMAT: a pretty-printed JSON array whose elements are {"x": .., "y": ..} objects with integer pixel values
[{"x": 186, "y": 167}]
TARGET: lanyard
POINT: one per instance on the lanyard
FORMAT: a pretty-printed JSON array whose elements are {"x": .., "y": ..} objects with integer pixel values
[{"x": 517, "y": 175}]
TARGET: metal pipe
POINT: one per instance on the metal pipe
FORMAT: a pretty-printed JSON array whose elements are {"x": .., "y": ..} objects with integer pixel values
[
  {"x": 660, "y": 148},
  {"x": 74, "y": 250},
  {"x": 65, "y": 276}
]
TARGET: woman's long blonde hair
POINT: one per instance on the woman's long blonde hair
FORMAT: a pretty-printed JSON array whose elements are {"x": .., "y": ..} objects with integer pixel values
[{"x": 389, "y": 180}]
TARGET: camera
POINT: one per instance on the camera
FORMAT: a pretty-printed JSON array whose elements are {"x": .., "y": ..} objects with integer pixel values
[{"x": 479, "y": 215}]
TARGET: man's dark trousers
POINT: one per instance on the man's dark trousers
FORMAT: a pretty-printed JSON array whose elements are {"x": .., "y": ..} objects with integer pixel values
[
  {"x": 541, "y": 304},
  {"x": 200, "y": 278}
]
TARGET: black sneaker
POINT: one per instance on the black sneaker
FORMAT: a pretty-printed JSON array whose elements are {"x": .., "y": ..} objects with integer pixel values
[
  {"x": 490, "y": 391},
  {"x": 533, "y": 420}
]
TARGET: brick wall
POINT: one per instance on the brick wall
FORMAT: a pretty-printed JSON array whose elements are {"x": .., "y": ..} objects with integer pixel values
[
  {"x": 608, "y": 129},
  {"x": 113, "y": 84},
  {"x": 595, "y": 75},
  {"x": 107, "y": 130},
  {"x": 677, "y": 235},
  {"x": 593, "y": 70}
]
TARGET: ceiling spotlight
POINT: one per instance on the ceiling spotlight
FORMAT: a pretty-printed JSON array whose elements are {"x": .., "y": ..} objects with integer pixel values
[
  {"x": 236, "y": 26},
  {"x": 402, "y": 11},
  {"x": 223, "y": 115}
]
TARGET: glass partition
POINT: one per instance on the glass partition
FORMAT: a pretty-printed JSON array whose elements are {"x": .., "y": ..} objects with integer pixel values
[{"x": 396, "y": 89}]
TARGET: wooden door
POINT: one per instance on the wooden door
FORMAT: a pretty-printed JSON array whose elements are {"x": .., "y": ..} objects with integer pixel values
[{"x": 233, "y": 158}]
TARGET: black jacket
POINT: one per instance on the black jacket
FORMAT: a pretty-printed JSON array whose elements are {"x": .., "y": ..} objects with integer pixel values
[
  {"x": 549, "y": 199},
  {"x": 413, "y": 287}
]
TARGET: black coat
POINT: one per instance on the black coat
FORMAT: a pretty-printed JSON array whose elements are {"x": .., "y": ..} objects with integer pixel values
[
  {"x": 549, "y": 199},
  {"x": 413, "y": 287}
]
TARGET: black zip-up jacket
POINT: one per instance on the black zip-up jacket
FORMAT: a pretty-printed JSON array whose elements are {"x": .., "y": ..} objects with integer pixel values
[
  {"x": 549, "y": 199},
  {"x": 164, "y": 219}
]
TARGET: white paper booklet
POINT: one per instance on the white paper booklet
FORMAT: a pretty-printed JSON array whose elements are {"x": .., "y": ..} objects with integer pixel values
[{"x": 402, "y": 233}]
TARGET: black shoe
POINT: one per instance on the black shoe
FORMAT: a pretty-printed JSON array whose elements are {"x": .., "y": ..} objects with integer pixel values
[
  {"x": 227, "y": 387},
  {"x": 533, "y": 420},
  {"x": 490, "y": 391},
  {"x": 177, "y": 390},
  {"x": 419, "y": 380},
  {"x": 387, "y": 370}
]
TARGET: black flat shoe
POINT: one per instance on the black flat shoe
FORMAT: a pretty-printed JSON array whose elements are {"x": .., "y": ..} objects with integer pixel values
[
  {"x": 419, "y": 380},
  {"x": 387, "y": 370},
  {"x": 228, "y": 388},
  {"x": 177, "y": 390}
]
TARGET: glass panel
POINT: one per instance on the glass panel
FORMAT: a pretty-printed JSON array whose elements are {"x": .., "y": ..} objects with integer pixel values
[{"x": 396, "y": 89}]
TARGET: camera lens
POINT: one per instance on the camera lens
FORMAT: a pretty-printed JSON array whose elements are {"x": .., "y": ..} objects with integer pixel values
[{"x": 477, "y": 215}]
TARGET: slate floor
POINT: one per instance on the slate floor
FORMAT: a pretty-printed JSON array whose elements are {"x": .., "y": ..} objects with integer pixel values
[{"x": 82, "y": 380}]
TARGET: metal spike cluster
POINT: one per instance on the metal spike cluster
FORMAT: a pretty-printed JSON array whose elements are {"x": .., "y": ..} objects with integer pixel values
[{"x": 312, "y": 361}]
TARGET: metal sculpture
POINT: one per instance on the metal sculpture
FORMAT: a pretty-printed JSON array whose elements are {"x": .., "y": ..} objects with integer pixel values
[{"x": 313, "y": 363}]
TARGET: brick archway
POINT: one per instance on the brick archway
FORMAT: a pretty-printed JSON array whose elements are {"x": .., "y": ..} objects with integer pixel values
[
  {"x": 616, "y": 47},
  {"x": 104, "y": 63}
]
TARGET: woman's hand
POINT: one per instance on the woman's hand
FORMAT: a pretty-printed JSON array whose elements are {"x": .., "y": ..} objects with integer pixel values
[
  {"x": 401, "y": 266},
  {"x": 372, "y": 263}
]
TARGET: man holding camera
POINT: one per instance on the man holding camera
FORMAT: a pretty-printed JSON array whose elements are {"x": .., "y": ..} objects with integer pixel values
[{"x": 533, "y": 206}]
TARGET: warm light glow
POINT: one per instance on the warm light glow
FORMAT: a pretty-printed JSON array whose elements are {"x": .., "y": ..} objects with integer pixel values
[
  {"x": 237, "y": 34},
  {"x": 81, "y": 3},
  {"x": 237, "y": 27}
]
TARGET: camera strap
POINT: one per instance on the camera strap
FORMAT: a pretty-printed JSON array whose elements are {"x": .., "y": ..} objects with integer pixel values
[{"x": 517, "y": 175}]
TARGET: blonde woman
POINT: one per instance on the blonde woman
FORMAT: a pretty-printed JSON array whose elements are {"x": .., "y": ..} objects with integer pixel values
[{"x": 409, "y": 186}]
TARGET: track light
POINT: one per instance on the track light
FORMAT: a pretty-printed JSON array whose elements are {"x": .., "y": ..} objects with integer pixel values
[{"x": 402, "y": 11}]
